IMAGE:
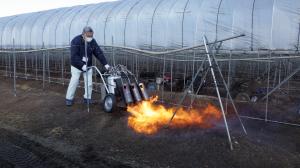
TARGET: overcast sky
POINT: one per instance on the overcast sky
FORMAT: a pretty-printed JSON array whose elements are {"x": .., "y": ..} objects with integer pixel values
[{"x": 13, "y": 7}]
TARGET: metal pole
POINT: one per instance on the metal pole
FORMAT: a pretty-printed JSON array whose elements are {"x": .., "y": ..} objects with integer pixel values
[
  {"x": 25, "y": 59},
  {"x": 203, "y": 77},
  {"x": 268, "y": 87},
  {"x": 218, "y": 93},
  {"x": 113, "y": 51},
  {"x": 272, "y": 121},
  {"x": 171, "y": 70},
  {"x": 48, "y": 64},
  {"x": 6, "y": 64},
  {"x": 177, "y": 50},
  {"x": 86, "y": 73},
  {"x": 185, "y": 72},
  {"x": 279, "y": 73},
  {"x": 14, "y": 57},
  {"x": 163, "y": 76},
  {"x": 275, "y": 76},
  {"x": 228, "y": 93},
  {"x": 193, "y": 68},
  {"x": 184, "y": 96},
  {"x": 288, "y": 83},
  {"x": 9, "y": 65},
  {"x": 228, "y": 79},
  {"x": 281, "y": 83},
  {"x": 62, "y": 68},
  {"x": 43, "y": 68},
  {"x": 186, "y": 91},
  {"x": 32, "y": 62},
  {"x": 136, "y": 67},
  {"x": 36, "y": 68},
  {"x": 193, "y": 71}
]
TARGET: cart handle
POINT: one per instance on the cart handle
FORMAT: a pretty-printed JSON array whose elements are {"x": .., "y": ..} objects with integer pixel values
[{"x": 101, "y": 75}]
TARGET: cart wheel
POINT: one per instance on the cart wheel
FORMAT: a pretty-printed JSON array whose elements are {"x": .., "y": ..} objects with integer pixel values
[{"x": 109, "y": 103}]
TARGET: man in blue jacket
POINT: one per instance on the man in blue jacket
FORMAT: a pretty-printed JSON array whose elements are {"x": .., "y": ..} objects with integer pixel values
[{"x": 80, "y": 64}]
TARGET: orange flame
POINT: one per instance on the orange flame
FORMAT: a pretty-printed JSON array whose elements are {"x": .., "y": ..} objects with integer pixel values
[{"x": 147, "y": 117}]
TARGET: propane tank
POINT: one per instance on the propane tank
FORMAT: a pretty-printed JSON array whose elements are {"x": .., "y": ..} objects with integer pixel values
[
  {"x": 112, "y": 83},
  {"x": 127, "y": 94},
  {"x": 144, "y": 91},
  {"x": 136, "y": 92}
]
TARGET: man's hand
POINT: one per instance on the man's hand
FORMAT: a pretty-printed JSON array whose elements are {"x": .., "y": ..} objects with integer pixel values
[
  {"x": 85, "y": 59},
  {"x": 84, "y": 68},
  {"x": 107, "y": 67}
]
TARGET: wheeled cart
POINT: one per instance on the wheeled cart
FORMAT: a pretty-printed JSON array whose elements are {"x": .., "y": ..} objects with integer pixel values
[{"x": 121, "y": 87}]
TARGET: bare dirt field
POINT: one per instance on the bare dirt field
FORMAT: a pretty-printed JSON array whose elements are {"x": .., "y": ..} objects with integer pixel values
[{"x": 38, "y": 130}]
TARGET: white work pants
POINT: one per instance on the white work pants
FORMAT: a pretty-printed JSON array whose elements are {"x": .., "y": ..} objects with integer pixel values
[{"x": 88, "y": 83}]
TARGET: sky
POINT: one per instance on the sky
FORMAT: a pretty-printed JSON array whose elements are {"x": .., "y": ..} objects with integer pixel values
[{"x": 13, "y": 7}]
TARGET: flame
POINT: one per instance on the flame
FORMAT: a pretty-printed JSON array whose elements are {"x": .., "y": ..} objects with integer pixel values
[{"x": 148, "y": 118}]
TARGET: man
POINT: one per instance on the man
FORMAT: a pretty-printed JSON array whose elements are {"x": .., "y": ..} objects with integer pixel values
[{"x": 80, "y": 64}]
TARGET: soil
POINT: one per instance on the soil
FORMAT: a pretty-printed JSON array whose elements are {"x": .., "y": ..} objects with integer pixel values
[{"x": 38, "y": 130}]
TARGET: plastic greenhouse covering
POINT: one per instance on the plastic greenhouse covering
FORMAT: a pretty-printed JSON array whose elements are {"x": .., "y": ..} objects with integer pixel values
[{"x": 161, "y": 24}]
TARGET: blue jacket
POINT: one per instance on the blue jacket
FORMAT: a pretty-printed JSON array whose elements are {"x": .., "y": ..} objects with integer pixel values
[{"x": 78, "y": 52}]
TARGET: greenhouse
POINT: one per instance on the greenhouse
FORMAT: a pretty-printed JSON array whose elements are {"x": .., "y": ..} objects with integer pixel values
[
  {"x": 235, "y": 60},
  {"x": 160, "y": 24}
]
